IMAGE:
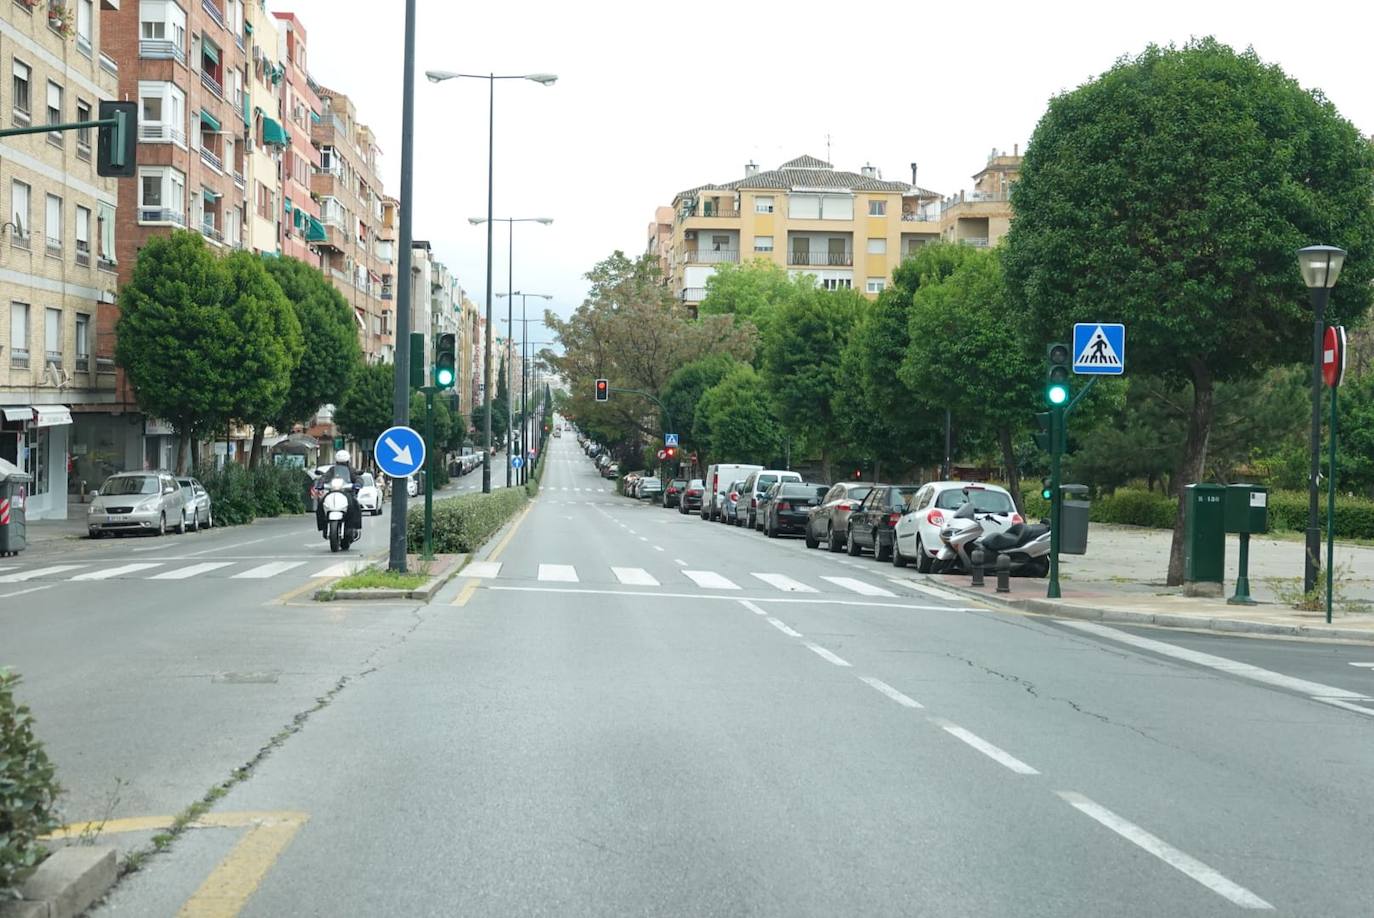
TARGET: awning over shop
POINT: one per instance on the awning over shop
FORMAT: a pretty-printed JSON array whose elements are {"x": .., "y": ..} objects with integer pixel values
[
  {"x": 273, "y": 133},
  {"x": 51, "y": 415},
  {"x": 20, "y": 413},
  {"x": 209, "y": 120}
]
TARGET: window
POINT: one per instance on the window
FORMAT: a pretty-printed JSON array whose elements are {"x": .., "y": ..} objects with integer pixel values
[
  {"x": 83, "y": 341},
  {"x": 162, "y": 195},
  {"x": 720, "y": 243},
  {"x": 877, "y": 246},
  {"x": 876, "y": 285},
  {"x": 162, "y": 30},
  {"x": 837, "y": 283},
  {"x": 877, "y": 208},
  {"x": 763, "y": 204},
  {"x": 85, "y": 17},
  {"x": 162, "y": 116},
  {"x": 52, "y": 336},
  {"x": 837, "y": 207},
  {"x": 19, "y": 211},
  {"x": 763, "y": 243},
  {"x": 327, "y": 159},
  {"x": 21, "y": 93},
  {"x": 52, "y": 227},
  {"x": 54, "y": 112},
  {"x": 804, "y": 206},
  {"x": 83, "y": 235},
  {"x": 105, "y": 226},
  {"x": 820, "y": 206},
  {"x": 83, "y": 135},
  {"x": 19, "y": 335}
]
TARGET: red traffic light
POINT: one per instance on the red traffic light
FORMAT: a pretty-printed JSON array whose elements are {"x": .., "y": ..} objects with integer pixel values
[
  {"x": 603, "y": 390},
  {"x": 670, "y": 452}
]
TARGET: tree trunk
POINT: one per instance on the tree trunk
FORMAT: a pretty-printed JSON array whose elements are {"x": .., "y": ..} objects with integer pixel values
[
  {"x": 183, "y": 450},
  {"x": 1194, "y": 460},
  {"x": 825, "y": 462},
  {"x": 256, "y": 453},
  {"x": 195, "y": 453},
  {"x": 1009, "y": 465}
]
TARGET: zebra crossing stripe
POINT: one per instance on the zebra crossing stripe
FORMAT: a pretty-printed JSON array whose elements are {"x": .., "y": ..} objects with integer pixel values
[
  {"x": 111, "y": 572},
  {"x": 21, "y": 576},
  {"x": 858, "y": 586},
  {"x": 634, "y": 576},
  {"x": 710, "y": 580},
  {"x": 263, "y": 571},
  {"x": 562, "y": 573},
  {"x": 195, "y": 570},
  {"x": 784, "y": 583}
]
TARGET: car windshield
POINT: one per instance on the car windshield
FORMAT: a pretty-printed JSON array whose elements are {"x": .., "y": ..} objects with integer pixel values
[
  {"x": 858, "y": 493},
  {"x": 367, "y": 480},
  {"x": 764, "y": 482},
  {"x": 984, "y": 500},
  {"x": 679, "y": 483},
  {"x": 131, "y": 484},
  {"x": 796, "y": 489},
  {"x": 900, "y": 496},
  {"x": 185, "y": 483}
]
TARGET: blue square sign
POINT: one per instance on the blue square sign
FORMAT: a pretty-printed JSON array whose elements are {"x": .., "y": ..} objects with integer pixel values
[
  {"x": 670, "y": 439},
  {"x": 1099, "y": 349}
]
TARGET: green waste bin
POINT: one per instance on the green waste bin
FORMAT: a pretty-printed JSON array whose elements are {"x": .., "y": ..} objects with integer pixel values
[
  {"x": 1074, "y": 508},
  {"x": 1204, "y": 539},
  {"x": 13, "y": 492}
]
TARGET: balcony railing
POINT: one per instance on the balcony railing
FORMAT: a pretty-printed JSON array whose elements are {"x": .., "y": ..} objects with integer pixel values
[
  {"x": 83, "y": 253},
  {"x": 821, "y": 259},
  {"x": 19, "y": 240},
  {"x": 83, "y": 363},
  {"x": 713, "y": 256},
  {"x": 108, "y": 64},
  {"x": 693, "y": 294},
  {"x": 19, "y": 358},
  {"x": 211, "y": 83},
  {"x": 54, "y": 358},
  {"x": 208, "y": 230},
  {"x": 976, "y": 241},
  {"x": 161, "y": 215},
  {"x": 214, "y": 12},
  {"x": 104, "y": 365},
  {"x": 105, "y": 263},
  {"x": 158, "y": 49},
  {"x": 920, "y": 218},
  {"x": 211, "y": 160},
  {"x": 160, "y": 133},
  {"x": 714, "y": 212},
  {"x": 54, "y": 246},
  {"x": 239, "y": 179}
]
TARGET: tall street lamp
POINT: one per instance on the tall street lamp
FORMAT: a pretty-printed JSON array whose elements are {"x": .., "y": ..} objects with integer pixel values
[
  {"x": 546, "y": 79},
  {"x": 1321, "y": 265},
  {"x": 524, "y": 375},
  {"x": 510, "y": 282}
]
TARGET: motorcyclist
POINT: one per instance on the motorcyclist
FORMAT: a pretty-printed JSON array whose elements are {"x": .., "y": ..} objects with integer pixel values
[{"x": 341, "y": 469}]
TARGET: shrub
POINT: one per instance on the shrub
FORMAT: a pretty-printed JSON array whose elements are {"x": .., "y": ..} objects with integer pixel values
[
  {"x": 536, "y": 473},
  {"x": 240, "y": 495},
  {"x": 462, "y": 524},
  {"x": 28, "y": 789}
]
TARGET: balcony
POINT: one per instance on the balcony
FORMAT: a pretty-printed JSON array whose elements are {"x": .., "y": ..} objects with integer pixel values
[
  {"x": 54, "y": 246},
  {"x": 157, "y": 49},
  {"x": 108, "y": 64},
  {"x": 211, "y": 160},
  {"x": 19, "y": 240},
  {"x": 693, "y": 294},
  {"x": 713, "y": 212},
  {"x": 980, "y": 242},
  {"x": 83, "y": 253},
  {"x": 54, "y": 358},
  {"x": 150, "y": 132},
  {"x": 208, "y": 230},
  {"x": 83, "y": 363},
  {"x": 105, "y": 263},
  {"x": 214, "y": 12},
  {"x": 212, "y": 84},
  {"x": 19, "y": 358},
  {"x": 712, "y": 256},
  {"x": 105, "y": 365},
  {"x": 161, "y": 215},
  {"x": 920, "y": 218},
  {"x": 239, "y": 179},
  {"x": 821, "y": 259}
]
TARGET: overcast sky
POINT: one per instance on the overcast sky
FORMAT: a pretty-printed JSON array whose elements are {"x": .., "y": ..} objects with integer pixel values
[{"x": 653, "y": 98}]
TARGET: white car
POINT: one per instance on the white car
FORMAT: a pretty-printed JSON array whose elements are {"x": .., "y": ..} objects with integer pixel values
[
  {"x": 369, "y": 495},
  {"x": 917, "y": 538}
]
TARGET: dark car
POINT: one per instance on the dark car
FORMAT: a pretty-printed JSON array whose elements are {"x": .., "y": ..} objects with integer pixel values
[
  {"x": 830, "y": 521},
  {"x": 872, "y": 525},
  {"x": 672, "y": 495},
  {"x": 691, "y": 497},
  {"x": 791, "y": 506}
]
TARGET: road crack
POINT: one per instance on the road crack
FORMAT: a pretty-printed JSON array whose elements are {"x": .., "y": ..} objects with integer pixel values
[{"x": 1024, "y": 683}]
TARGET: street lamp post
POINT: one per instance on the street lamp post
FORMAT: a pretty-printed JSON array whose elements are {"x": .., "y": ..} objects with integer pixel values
[
  {"x": 1321, "y": 266},
  {"x": 524, "y": 361},
  {"x": 546, "y": 79}
]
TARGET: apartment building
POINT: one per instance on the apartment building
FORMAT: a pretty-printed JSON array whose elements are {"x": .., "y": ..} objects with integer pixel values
[
  {"x": 267, "y": 137},
  {"x": 982, "y": 216},
  {"x": 847, "y": 229},
  {"x": 659, "y": 241},
  {"x": 302, "y": 229},
  {"x": 58, "y": 263},
  {"x": 469, "y": 343}
]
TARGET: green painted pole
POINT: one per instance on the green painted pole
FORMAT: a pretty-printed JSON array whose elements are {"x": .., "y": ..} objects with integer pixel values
[
  {"x": 1331, "y": 509},
  {"x": 1059, "y": 416},
  {"x": 429, "y": 473}
]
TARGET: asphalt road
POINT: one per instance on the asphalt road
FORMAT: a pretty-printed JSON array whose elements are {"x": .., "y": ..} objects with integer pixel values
[{"x": 623, "y": 710}]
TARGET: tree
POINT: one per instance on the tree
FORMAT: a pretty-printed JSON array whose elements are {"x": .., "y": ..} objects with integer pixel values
[
  {"x": 268, "y": 345},
  {"x": 753, "y": 291},
  {"x": 684, "y": 389},
  {"x": 1171, "y": 194},
  {"x": 801, "y": 364},
  {"x": 967, "y": 353},
  {"x": 173, "y": 338},
  {"x": 501, "y": 416},
  {"x": 330, "y": 352},
  {"x": 734, "y": 419},
  {"x": 366, "y": 408}
]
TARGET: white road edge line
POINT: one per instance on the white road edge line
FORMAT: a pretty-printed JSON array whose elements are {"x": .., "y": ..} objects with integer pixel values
[
  {"x": 1347, "y": 705},
  {"x": 1167, "y": 853},
  {"x": 825, "y": 654},
  {"x": 47, "y": 586},
  {"x": 1000, "y": 756},
  {"x": 821, "y": 599},
  {"x": 783, "y": 628},
  {"x": 890, "y": 692},
  {"x": 751, "y": 607}
]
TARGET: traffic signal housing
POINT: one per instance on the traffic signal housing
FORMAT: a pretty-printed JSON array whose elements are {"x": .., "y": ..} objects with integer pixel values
[
  {"x": 417, "y": 360},
  {"x": 670, "y": 452},
  {"x": 116, "y": 145},
  {"x": 1057, "y": 373},
  {"x": 1050, "y": 436},
  {"x": 603, "y": 390},
  {"x": 445, "y": 355},
  {"x": 1046, "y": 489}
]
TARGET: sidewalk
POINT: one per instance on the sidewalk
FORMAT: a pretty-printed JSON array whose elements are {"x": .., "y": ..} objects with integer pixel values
[
  {"x": 1122, "y": 579},
  {"x": 37, "y": 532}
]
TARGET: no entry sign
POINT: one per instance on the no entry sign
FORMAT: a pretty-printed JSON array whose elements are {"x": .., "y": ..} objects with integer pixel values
[{"x": 1333, "y": 356}]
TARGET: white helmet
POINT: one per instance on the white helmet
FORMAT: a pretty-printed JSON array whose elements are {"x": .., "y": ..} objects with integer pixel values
[{"x": 342, "y": 456}]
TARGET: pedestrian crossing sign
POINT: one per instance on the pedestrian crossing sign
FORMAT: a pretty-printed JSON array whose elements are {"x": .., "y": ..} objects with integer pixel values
[
  {"x": 1099, "y": 349},
  {"x": 670, "y": 439}
]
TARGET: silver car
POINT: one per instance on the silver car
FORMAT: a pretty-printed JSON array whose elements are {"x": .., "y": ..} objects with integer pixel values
[
  {"x": 198, "y": 504},
  {"x": 138, "y": 502}
]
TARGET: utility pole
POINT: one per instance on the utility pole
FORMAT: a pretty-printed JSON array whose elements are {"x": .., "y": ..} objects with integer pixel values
[{"x": 401, "y": 392}]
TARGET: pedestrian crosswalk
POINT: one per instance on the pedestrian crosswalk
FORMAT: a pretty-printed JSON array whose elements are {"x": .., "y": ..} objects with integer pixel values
[
  {"x": 706, "y": 580},
  {"x": 180, "y": 569}
]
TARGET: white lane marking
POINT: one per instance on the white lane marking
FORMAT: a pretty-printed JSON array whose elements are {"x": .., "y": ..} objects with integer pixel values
[
  {"x": 890, "y": 692},
  {"x": 643, "y": 538},
  {"x": 1364, "y": 665},
  {"x": 482, "y": 569},
  {"x": 46, "y": 586},
  {"x": 37, "y": 572},
  {"x": 679, "y": 562},
  {"x": 112, "y": 572},
  {"x": 1221, "y": 664},
  {"x": 342, "y": 569},
  {"x": 1001, "y": 756},
  {"x": 783, "y": 628},
  {"x": 751, "y": 607},
  {"x": 658, "y": 548},
  {"x": 634, "y": 576},
  {"x": 195, "y": 570},
  {"x": 784, "y": 583},
  {"x": 928, "y": 590},
  {"x": 858, "y": 586},
  {"x": 1347, "y": 705},
  {"x": 825, "y": 654},
  {"x": 822, "y": 599},
  {"x": 1167, "y": 853},
  {"x": 710, "y": 580},
  {"x": 562, "y": 573},
  {"x": 268, "y": 570}
]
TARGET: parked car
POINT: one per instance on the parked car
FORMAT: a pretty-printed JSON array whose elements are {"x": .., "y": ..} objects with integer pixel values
[
  {"x": 917, "y": 535},
  {"x": 650, "y": 489},
  {"x": 611, "y": 470},
  {"x": 369, "y": 494},
  {"x": 829, "y": 523},
  {"x": 729, "y": 504},
  {"x": 718, "y": 478},
  {"x": 692, "y": 496},
  {"x": 672, "y": 495},
  {"x": 754, "y": 488},
  {"x": 138, "y": 502},
  {"x": 790, "y": 506},
  {"x": 871, "y": 525},
  {"x": 198, "y": 503}
]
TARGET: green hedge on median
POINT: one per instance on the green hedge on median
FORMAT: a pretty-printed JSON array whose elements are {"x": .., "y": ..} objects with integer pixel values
[
  {"x": 462, "y": 524},
  {"x": 28, "y": 789},
  {"x": 240, "y": 495}
]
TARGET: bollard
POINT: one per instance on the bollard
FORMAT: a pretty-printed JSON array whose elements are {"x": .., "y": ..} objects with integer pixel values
[
  {"x": 977, "y": 559},
  {"x": 1003, "y": 574}
]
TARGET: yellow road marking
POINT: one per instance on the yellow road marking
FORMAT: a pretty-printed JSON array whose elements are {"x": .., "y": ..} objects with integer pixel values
[
  {"x": 225, "y": 892},
  {"x": 310, "y": 587},
  {"x": 466, "y": 592},
  {"x": 152, "y": 823}
]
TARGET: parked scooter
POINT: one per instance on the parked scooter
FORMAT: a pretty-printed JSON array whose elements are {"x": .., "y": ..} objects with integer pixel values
[
  {"x": 337, "y": 502},
  {"x": 1027, "y": 547}
]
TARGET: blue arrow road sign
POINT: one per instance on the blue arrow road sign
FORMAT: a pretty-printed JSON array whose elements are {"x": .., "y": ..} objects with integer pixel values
[
  {"x": 1099, "y": 349},
  {"x": 516, "y": 462},
  {"x": 400, "y": 452}
]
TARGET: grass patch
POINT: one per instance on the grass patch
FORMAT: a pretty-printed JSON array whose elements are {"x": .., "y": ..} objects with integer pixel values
[{"x": 383, "y": 579}]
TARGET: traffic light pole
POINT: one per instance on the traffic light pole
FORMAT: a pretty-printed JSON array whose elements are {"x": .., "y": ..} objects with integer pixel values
[
  {"x": 1058, "y": 415},
  {"x": 400, "y": 402},
  {"x": 429, "y": 472}
]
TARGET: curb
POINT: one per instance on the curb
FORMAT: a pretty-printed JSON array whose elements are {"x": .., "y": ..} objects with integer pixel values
[
  {"x": 67, "y": 883},
  {"x": 1168, "y": 619},
  {"x": 423, "y": 593}
]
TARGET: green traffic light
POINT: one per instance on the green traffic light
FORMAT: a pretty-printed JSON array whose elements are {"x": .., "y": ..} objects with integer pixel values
[
  {"x": 444, "y": 376},
  {"x": 1046, "y": 493},
  {"x": 1057, "y": 394}
]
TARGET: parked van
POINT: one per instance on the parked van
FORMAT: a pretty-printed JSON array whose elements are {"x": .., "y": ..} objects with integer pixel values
[
  {"x": 763, "y": 479},
  {"x": 718, "y": 478}
]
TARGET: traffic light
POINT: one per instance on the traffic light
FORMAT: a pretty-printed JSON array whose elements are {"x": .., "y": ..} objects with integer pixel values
[
  {"x": 444, "y": 357},
  {"x": 116, "y": 145},
  {"x": 1050, "y": 437},
  {"x": 1046, "y": 489},
  {"x": 603, "y": 390},
  {"x": 670, "y": 452},
  {"x": 1057, "y": 374}
]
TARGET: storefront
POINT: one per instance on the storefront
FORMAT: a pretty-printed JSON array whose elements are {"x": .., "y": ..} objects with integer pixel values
[
  {"x": 35, "y": 438},
  {"x": 103, "y": 443}
]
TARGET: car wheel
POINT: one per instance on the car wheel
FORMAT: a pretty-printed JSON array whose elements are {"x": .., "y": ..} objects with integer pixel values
[
  {"x": 811, "y": 541},
  {"x": 851, "y": 546},
  {"x": 831, "y": 542},
  {"x": 182, "y": 526},
  {"x": 881, "y": 552},
  {"x": 770, "y": 530},
  {"x": 898, "y": 559},
  {"x": 923, "y": 560},
  {"x": 162, "y": 525},
  {"x": 209, "y": 519}
]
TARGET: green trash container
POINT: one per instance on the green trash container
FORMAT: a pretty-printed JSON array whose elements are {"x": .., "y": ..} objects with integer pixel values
[
  {"x": 1204, "y": 539},
  {"x": 13, "y": 493},
  {"x": 1074, "y": 509}
]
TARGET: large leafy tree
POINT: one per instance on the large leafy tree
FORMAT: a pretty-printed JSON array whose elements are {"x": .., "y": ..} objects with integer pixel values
[
  {"x": 330, "y": 354},
  {"x": 1170, "y": 194},
  {"x": 366, "y": 408},
  {"x": 801, "y": 364},
  {"x": 268, "y": 345},
  {"x": 753, "y": 291},
  {"x": 174, "y": 339},
  {"x": 734, "y": 419},
  {"x": 684, "y": 389}
]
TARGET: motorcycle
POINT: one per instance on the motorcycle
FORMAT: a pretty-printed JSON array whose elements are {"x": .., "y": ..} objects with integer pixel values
[
  {"x": 336, "y": 510},
  {"x": 1026, "y": 547}
]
